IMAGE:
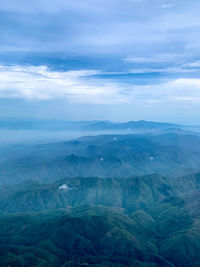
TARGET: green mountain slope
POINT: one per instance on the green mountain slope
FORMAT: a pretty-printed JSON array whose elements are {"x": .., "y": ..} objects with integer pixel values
[
  {"x": 141, "y": 221},
  {"x": 130, "y": 194}
]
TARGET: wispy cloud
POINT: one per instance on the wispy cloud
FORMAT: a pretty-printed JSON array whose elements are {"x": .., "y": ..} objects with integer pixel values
[
  {"x": 83, "y": 86},
  {"x": 165, "y": 63},
  {"x": 169, "y": 5},
  {"x": 101, "y": 27},
  {"x": 143, "y": 59},
  {"x": 162, "y": 70},
  {"x": 158, "y": 58},
  {"x": 38, "y": 82},
  {"x": 178, "y": 90},
  {"x": 193, "y": 64}
]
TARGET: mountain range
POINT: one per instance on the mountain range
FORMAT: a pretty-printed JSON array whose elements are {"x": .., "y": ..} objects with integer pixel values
[
  {"x": 103, "y": 156},
  {"x": 140, "y": 221},
  {"x": 109, "y": 200},
  {"x": 38, "y": 124}
]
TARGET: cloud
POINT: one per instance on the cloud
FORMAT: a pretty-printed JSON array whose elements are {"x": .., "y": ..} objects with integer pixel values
[
  {"x": 41, "y": 83},
  {"x": 143, "y": 59},
  {"x": 112, "y": 44},
  {"x": 158, "y": 58},
  {"x": 194, "y": 64},
  {"x": 103, "y": 27},
  {"x": 165, "y": 63},
  {"x": 178, "y": 90},
  {"x": 162, "y": 70},
  {"x": 170, "y": 5},
  {"x": 84, "y": 86}
]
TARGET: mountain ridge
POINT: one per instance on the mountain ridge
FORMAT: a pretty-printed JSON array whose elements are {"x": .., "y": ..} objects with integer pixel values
[
  {"x": 109, "y": 231},
  {"x": 104, "y": 156}
]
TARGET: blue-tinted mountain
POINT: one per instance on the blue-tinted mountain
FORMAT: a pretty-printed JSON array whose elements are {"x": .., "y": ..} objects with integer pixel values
[
  {"x": 59, "y": 125},
  {"x": 104, "y": 156}
]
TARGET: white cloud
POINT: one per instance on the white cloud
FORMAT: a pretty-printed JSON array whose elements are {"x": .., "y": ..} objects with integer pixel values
[
  {"x": 40, "y": 83},
  {"x": 178, "y": 90}
]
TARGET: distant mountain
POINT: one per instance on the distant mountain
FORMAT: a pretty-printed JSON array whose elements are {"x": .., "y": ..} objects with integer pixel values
[
  {"x": 131, "y": 125},
  {"x": 56, "y": 125},
  {"x": 103, "y": 156},
  {"x": 45, "y": 131}
]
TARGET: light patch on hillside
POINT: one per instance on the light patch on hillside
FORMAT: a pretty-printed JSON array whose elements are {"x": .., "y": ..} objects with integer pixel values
[{"x": 63, "y": 187}]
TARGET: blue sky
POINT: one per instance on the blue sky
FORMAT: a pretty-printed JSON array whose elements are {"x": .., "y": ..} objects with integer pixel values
[{"x": 98, "y": 59}]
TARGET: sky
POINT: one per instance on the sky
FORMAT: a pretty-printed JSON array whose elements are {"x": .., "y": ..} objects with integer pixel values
[{"x": 100, "y": 59}]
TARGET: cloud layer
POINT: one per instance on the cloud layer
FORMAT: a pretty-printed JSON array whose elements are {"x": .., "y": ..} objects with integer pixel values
[
  {"x": 138, "y": 55},
  {"x": 124, "y": 28},
  {"x": 40, "y": 83},
  {"x": 84, "y": 86}
]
